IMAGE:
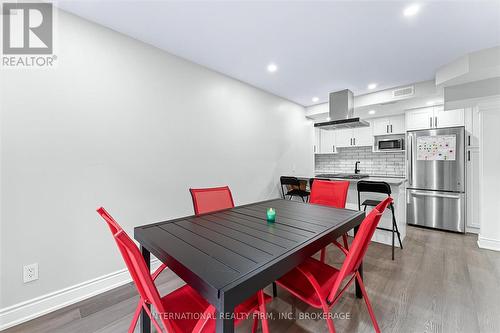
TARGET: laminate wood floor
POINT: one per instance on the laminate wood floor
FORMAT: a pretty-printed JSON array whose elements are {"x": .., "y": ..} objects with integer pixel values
[{"x": 440, "y": 282}]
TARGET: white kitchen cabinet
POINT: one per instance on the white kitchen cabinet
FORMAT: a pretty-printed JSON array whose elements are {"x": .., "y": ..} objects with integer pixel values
[
  {"x": 317, "y": 139},
  {"x": 327, "y": 141},
  {"x": 433, "y": 117},
  {"x": 398, "y": 124},
  {"x": 343, "y": 137},
  {"x": 472, "y": 126},
  {"x": 448, "y": 118},
  {"x": 419, "y": 118},
  {"x": 380, "y": 126},
  {"x": 472, "y": 188},
  {"x": 388, "y": 125},
  {"x": 354, "y": 137},
  {"x": 362, "y": 136}
]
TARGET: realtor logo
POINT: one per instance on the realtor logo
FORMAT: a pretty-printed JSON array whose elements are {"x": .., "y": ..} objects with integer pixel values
[{"x": 27, "y": 30}]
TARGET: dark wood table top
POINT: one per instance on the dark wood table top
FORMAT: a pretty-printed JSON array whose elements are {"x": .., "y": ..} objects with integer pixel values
[{"x": 227, "y": 256}]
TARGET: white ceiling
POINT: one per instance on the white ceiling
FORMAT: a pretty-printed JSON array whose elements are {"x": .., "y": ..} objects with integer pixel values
[{"x": 319, "y": 47}]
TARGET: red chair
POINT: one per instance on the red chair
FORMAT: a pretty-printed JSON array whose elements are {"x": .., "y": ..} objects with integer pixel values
[
  {"x": 183, "y": 310},
  {"x": 207, "y": 200},
  {"x": 332, "y": 194},
  {"x": 319, "y": 284}
]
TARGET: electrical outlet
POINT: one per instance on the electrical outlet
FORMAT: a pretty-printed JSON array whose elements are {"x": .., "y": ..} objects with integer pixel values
[{"x": 30, "y": 272}]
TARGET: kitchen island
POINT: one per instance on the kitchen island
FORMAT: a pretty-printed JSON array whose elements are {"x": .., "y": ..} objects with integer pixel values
[{"x": 398, "y": 194}]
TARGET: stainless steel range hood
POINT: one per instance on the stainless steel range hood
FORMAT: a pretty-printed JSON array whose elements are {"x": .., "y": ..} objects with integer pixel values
[{"x": 341, "y": 112}]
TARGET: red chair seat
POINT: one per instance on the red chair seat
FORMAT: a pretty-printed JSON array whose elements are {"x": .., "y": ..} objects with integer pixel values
[
  {"x": 184, "y": 301},
  {"x": 298, "y": 284}
]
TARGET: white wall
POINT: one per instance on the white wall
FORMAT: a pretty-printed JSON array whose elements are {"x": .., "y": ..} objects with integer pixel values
[
  {"x": 489, "y": 156},
  {"x": 122, "y": 124}
]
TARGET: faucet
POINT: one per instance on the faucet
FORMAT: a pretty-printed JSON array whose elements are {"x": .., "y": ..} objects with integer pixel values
[{"x": 356, "y": 169}]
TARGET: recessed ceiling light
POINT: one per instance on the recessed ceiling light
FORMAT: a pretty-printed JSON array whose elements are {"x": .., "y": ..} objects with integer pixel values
[
  {"x": 371, "y": 112},
  {"x": 315, "y": 99},
  {"x": 372, "y": 86},
  {"x": 328, "y": 118},
  {"x": 271, "y": 68},
  {"x": 411, "y": 10}
]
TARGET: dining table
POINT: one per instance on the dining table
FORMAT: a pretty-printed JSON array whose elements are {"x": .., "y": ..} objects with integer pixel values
[{"x": 227, "y": 256}]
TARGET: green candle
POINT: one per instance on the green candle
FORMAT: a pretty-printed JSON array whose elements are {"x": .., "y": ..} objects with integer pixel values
[{"x": 271, "y": 215}]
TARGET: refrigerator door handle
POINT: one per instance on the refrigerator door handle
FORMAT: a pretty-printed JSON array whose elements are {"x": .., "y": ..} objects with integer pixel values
[
  {"x": 437, "y": 195},
  {"x": 410, "y": 159}
]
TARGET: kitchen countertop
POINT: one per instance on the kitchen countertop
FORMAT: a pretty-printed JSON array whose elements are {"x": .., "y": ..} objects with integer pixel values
[{"x": 392, "y": 180}]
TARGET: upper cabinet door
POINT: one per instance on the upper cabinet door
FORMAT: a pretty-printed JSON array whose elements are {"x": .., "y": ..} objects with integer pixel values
[
  {"x": 381, "y": 126},
  {"x": 317, "y": 140},
  {"x": 363, "y": 136},
  {"x": 344, "y": 137},
  {"x": 448, "y": 118},
  {"x": 473, "y": 128},
  {"x": 327, "y": 141},
  {"x": 420, "y": 119},
  {"x": 397, "y": 124}
]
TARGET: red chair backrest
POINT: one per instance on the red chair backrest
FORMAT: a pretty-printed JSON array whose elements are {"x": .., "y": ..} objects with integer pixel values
[
  {"x": 359, "y": 245},
  {"x": 329, "y": 193},
  {"x": 207, "y": 200},
  {"x": 135, "y": 264}
]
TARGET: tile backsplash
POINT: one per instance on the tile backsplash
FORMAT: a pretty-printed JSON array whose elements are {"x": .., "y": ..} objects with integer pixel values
[{"x": 380, "y": 164}]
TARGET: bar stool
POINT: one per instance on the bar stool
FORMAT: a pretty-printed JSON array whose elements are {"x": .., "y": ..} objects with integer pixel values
[
  {"x": 379, "y": 187},
  {"x": 292, "y": 185}
]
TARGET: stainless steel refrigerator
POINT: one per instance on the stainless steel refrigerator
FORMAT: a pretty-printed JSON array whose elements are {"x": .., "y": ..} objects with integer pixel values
[{"x": 435, "y": 195}]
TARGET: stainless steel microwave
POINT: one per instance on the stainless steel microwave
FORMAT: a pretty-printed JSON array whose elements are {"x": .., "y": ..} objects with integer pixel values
[{"x": 391, "y": 144}]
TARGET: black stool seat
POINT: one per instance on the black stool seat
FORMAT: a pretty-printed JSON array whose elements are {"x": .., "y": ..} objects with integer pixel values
[{"x": 370, "y": 202}]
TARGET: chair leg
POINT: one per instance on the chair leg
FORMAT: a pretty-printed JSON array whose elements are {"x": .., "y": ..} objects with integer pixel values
[
  {"x": 399, "y": 237},
  {"x": 137, "y": 313},
  {"x": 263, "y": 312},
  {"x": 344, "y": 238},
  {"x": 393, "y": 231},
  {"x": 302, "y": 199},
  {"x": 328, "y": 318},
  {"x": 255, "y": 324},
  {"x": 367, "y": 301},
  {"x": 275, "y": 290},
  {"x": 396, "y": 226},
  {"x": 322, "y": 255},
  {"x": 155, "y": 323}
]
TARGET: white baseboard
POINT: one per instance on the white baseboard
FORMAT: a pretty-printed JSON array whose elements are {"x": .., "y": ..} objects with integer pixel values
[
  {"x": 488, "y": 243},
  {"x": 472, "y": 229},
  {"x": 39, "y": 306}
]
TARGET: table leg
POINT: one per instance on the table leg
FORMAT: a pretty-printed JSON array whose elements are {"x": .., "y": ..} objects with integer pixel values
[
  {"x": 145, "y": 320},
  {"x": 359, "y": 294},
  {"x": 225, "y": 321}
]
